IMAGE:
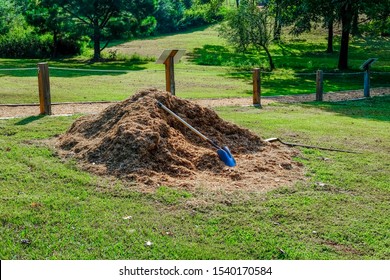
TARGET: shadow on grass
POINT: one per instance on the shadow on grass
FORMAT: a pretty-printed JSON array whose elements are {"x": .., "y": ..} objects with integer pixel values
[
  {"x": 217, "y": 55},
  {"x": 288, "y": 83},
  {"x": 30, "y": 120},
  {"x": 375, "y": 108},
  {"x": 297, "y": 55},
  {"x": 286, "y": 56},
  {"x": 300, "y": 79},
  {"x": 81, "y": 67}
]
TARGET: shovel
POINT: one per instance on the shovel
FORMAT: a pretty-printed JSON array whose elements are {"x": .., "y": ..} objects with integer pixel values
[{"x": 224, "y": 153}]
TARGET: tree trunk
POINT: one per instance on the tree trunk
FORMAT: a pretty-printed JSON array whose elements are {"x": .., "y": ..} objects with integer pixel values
[
  {"x": 238, "y": 3},
  {"x": 55, "y": 43},
  {"x": 96, "y": 40},
  {"x": 343, "y": 56},
  {"x": 355, "y": 25},
  {"x": 346, "y": 21},
  {"x": 271, "y": 63},
  {"x": 277, "y": 25},
  {"x": 330, "y": 36}
]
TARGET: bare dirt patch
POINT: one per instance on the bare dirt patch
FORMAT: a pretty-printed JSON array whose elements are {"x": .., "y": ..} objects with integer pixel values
[
  {"x": 137, "y": 141},
  {"x": 20, "y": 111}
]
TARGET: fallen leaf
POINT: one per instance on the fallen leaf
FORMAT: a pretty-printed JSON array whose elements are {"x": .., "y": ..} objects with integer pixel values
[
  {"x": 127, "y": 218},
  {"x": 36, "y": 205}
]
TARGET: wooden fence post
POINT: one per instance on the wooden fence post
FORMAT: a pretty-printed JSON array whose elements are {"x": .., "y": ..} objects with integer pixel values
[
  {"x": 44, "y": 88},
  {"x": 169, "y": 58},
  {"x": 170, "y": 73},
  {"x": 319, "y": 85},
  {"x": 256, "y": 87},
  {"x": 367, "y": 82}
]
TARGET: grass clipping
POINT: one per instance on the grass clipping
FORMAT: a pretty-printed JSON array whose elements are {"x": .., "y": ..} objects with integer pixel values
[{"x": 135, "y": 140}]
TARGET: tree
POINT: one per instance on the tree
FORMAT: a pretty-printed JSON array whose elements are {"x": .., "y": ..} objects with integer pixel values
[
  {"x": 347, "y": 12},
  {"x": 105, "y": 18},
  {"x": 307, "y": 13},
  {"x": 284, "y": 14},
  {"x": 9, "y": 15},
  {"x": 379, "y": 13},
  {"x": 250, "y": 26},
  {"x": 344, "y": 11},
  {"x": 169, "y": 15},
  {"x": 46, "y": 17},
  {"x": 277, "y": 6}
]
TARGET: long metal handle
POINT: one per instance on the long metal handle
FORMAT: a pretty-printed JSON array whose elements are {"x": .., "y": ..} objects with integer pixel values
[{"x": 187, "y": 125}]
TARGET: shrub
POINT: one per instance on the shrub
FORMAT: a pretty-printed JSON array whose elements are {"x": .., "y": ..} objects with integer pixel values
[
  {"x": 25, "y": 45},
  {"x": 169, "y": 15},
  {"x": 113, "y": 55},
  {"x": 178, "y": 15},
  {"x": 69, "y": 46}
]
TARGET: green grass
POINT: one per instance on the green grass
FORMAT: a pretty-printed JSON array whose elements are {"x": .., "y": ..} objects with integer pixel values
[
  {"x": 210, "y": 69},
  {"x": 75, "y": 85},
  {"x": 154, "y": 46},
  {"x": 51, "y": 210}
]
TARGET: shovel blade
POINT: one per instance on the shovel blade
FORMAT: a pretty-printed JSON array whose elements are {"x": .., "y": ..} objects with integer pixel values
[{"x": 226, "y": 156}]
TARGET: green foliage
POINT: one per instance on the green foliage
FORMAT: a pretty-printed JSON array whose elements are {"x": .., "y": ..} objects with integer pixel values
[
  {"x": 7, "y": 16},
  {"x": 105, "y": 20},
  {"x": 249, "y": 26},
  {"x": 113, "y": 55},
  {"x": 174, "y": 15},
  {"x": 169, "y": 15},
  {"x": 35, "y": 31},
  {"x": 22, "y": 43},
  {"x": 46, "y": 18},
  {"x": 304, "y": 15},
  {"x": 379, "y": 13},
  {"x": 147, "y": 26},
  {"x": 69, "y": 22},
  {"x": 16, "y": 39},
  {"x": 376, "y": 28},
  {"x": 209, "y": 10}
]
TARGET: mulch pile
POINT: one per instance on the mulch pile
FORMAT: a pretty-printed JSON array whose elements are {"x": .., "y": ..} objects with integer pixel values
[{"x": 136, "y": 140}]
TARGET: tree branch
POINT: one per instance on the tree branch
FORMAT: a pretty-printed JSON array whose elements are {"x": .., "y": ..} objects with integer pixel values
[
  {"x": 106, "y": 19},
  {"x": 78, "y": 17},
  {"x": 105, "y": 45}
]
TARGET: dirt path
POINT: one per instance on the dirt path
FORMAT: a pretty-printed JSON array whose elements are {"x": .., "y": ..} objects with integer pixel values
[{"x": 11, "y": 111}]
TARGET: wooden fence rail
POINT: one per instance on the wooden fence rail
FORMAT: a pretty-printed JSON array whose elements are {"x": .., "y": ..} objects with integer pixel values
[{"x": 45, "y": 93}]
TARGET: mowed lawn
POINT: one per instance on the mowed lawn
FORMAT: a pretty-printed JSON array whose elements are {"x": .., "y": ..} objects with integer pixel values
[{"x": 50, "y": 209}]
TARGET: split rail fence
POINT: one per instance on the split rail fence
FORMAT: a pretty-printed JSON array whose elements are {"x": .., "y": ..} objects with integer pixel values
[{"x": 208, "y": 84}]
